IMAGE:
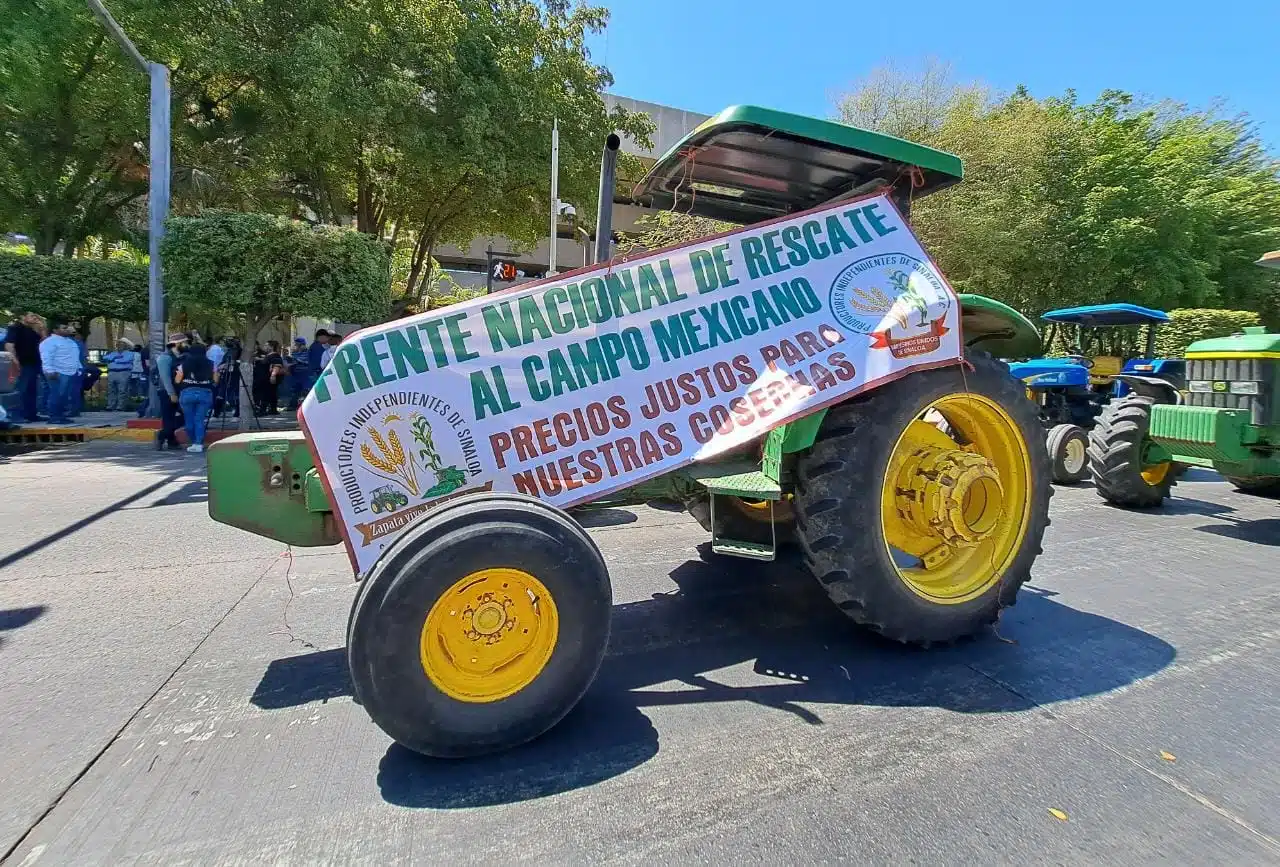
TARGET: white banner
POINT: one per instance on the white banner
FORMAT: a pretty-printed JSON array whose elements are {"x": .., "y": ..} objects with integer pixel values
[{"x": 572, "y": 388}]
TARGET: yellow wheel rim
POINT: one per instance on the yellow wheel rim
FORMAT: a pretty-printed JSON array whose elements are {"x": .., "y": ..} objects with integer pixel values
[
  {"x": 1154, "y": 474},
  {"x": 758, "y": 510},
  {"x": 956, "y": 498},
  {"x": 489, "y": 635}
]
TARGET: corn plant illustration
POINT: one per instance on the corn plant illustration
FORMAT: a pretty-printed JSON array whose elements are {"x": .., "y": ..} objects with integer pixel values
[
  {"x": 910, "y": 296},
  {"x": 874, "y": 302},
  {"x": 448, "y": 478},
  {"x": 391, "y": 462}
]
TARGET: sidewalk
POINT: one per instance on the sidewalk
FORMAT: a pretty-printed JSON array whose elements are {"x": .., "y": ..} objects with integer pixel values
[{"x": 126, "y": 426}]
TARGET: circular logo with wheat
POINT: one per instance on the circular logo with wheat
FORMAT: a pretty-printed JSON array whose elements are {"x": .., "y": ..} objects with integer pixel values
[
  {"x": 898, "y": 300},
  {"x": 401, "y": 454}
]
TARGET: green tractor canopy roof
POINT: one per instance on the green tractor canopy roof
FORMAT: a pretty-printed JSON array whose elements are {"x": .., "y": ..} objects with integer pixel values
[{"x": 749, "y": 164}]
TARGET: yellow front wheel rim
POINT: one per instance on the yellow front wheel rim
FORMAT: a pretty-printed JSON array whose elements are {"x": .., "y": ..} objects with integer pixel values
[
  {"x": 489, "y": 635},
  {"x": 956, "y": 498}
]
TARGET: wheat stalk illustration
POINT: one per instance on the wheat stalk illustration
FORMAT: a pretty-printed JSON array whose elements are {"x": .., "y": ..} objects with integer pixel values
[
  {"x": 392, "y": 464},
  {"x": 875, "y": 303}
]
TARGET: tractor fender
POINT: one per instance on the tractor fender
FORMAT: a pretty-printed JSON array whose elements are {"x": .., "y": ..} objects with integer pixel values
[
  {"x": 1151, "y": 386},
  {"x": 995, "y": 328}
]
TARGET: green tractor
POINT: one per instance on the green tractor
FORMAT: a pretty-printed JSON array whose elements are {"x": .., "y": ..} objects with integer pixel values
[
  {"x": 386, "y": 499},
  {"x": 917, "y": 492},
  {"x": 1228, "y": 419}
]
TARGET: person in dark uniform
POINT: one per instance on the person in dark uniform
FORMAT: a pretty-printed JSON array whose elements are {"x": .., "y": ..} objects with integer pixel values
[
  {"x": 166, "y": 368},
  {"x": 273, "y": 372},
  {"x": 22, "y": 341}
]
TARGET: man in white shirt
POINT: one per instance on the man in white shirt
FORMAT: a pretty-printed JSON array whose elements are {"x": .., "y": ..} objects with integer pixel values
[{"x": 60, "y": 361}]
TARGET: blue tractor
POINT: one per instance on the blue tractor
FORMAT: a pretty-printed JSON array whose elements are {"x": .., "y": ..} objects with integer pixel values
[{"x": 1108, "y": 347}]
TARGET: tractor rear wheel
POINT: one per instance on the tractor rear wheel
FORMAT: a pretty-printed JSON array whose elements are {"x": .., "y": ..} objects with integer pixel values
[
  {"x": 480, "y": 627},
  {"x": 1067, "y": 444},
  {"x": 1123, "y": 474},
  {"x": 922, "y": 505}
]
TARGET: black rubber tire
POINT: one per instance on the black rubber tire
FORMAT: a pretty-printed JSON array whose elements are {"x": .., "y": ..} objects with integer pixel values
[
  {"x": 1265, "y": 486},
  {"x": 1115, "y": 455},
  {"x": 476, "y": 532},
  {"x": 838, "y": 504},
  {"x": 1060, "y": 436}
]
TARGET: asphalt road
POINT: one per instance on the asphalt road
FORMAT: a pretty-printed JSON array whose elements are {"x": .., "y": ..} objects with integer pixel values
[{"x": 174, "y": 691}]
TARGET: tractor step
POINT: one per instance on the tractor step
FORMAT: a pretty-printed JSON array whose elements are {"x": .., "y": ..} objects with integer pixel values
[
  {"x": 736, "y": 479},
  {"x": 748, "y": 550}
]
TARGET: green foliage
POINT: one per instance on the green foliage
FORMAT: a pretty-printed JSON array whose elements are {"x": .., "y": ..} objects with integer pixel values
[
  {"x": 263, "y": 266},
  {"x": 1188, "y": 325},
  {"x": 422, "y": 121},
  {"x": 1066, "y": 203},
  {"x": 669, "y": 228},
  {"x": 72, "y": 289}
]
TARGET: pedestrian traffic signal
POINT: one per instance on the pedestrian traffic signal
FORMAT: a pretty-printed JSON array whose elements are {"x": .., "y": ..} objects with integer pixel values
[{"x": 504, "y": 269}]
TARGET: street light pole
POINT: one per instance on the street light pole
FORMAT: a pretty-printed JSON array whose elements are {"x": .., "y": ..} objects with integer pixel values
[
  {"x": 555, "y": 194},
  {"x": 158, "y": 199}
]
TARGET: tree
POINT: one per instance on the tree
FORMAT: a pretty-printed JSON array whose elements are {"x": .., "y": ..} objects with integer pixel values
[
  {"x": 426, "y": 121},
  {"x": 1068, "y": 203},
  {"x": 73, "y": 159},
  {"x": 260, "y": 267},
  {"x": 669, "y": 228},
  {"x": 74, "y": 290}
]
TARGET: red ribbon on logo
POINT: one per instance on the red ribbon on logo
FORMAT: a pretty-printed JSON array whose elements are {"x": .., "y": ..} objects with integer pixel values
[{"x": 916, "y": 344}]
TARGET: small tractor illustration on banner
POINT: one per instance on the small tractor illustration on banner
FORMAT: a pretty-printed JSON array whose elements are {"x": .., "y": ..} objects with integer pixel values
[{"x": 386, "y": 499}]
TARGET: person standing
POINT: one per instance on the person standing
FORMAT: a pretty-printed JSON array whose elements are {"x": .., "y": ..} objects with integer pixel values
[
  {"x": 167, "y": 390},
  {"x": 119, "y": 372},
  {"x": 216, "y": 351},
  {"x": 22, "y": 342},
  {"x": 300, "y": 374},
  {"x": 60, "y": 361},
  {"x": 273, "y": 366},
  {"x": 315, "y": 353},
  {"x": 195, "y": 378},
  {"x": 88, "y": 376},
  {"x": 138, "y": 377}
]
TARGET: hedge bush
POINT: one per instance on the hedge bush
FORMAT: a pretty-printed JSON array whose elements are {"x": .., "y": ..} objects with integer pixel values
[
  {"x": 1189, "y": 325},
  {"x": 261, "y": 266},
  {"x": 73, "y": 289}
]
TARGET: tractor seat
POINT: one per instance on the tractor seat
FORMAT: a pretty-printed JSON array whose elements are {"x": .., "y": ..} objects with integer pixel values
[{"x": 1105, "y": 368}]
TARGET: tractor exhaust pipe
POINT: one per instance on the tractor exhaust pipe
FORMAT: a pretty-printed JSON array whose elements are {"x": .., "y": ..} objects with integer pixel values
[{"x": 608, "y": 180}]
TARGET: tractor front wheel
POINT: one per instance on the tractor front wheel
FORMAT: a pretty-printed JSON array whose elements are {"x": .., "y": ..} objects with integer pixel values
[
  {"x": 1124, "y": 471},
  {"x": 1067, "y": 444},
  {"x": 922, "y": 505},
  {"x": 480, "y": 627}
]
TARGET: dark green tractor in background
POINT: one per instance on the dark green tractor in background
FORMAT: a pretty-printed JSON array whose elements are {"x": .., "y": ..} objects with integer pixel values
[{"x": 1227, "y": 419}]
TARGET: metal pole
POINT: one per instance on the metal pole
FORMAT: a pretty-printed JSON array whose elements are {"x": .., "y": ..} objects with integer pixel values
[
  {"x": 96, "y": 7},
  {"x": 608, "y": 180},
  {"x": 488, "y": 267},
  {"x": 158, "y": 199},
  {"x": 158, "y": 205},
  {"x": 555, "y": 194}
]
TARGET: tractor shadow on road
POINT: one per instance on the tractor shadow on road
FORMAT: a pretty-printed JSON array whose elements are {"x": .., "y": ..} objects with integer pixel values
[
  {"x": 761, "y": 635},
  {"x": 16, "y": 618},
  {"x": 1263, "y": 531}
]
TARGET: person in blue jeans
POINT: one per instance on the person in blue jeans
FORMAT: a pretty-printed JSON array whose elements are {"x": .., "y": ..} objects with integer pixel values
[
  {"x": 60, "y": 361},
  {"x": 195, "y": 378}
]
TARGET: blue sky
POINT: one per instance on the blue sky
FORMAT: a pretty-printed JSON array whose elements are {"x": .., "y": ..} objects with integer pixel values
[{"x": 703, "y": 55}]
